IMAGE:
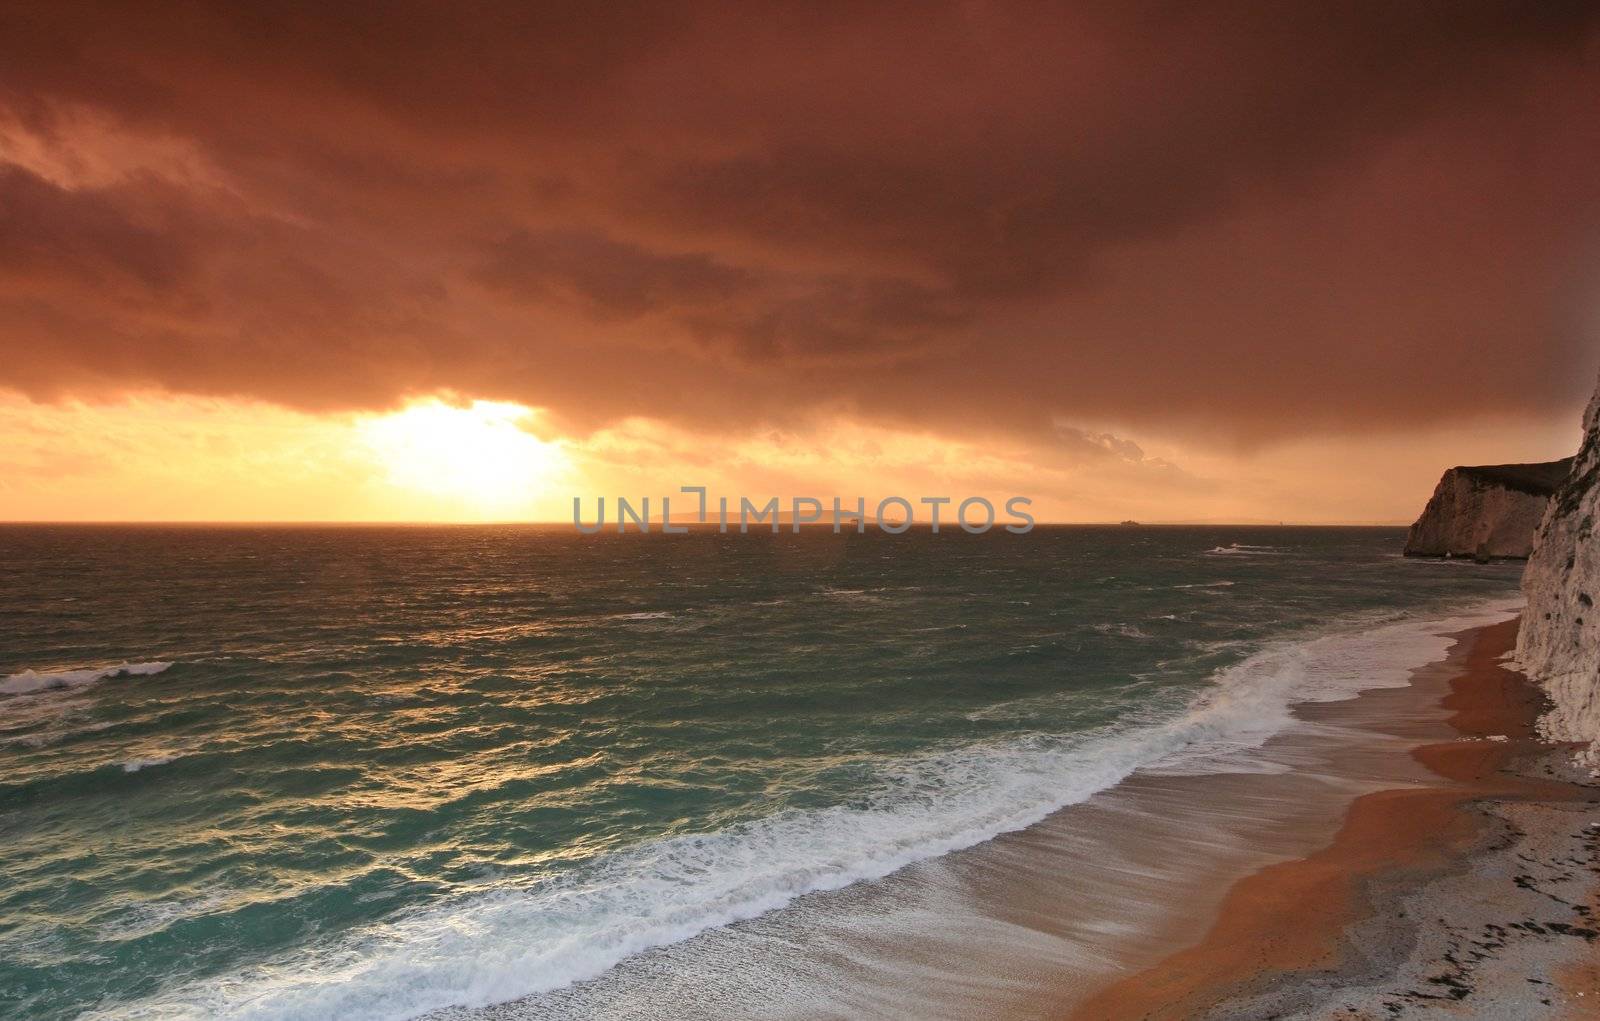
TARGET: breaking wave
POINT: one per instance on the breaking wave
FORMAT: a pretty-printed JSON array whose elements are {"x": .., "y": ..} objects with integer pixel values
[
  {"x": 1246, "y": 549},
  {"x": 29, "y": 681}
]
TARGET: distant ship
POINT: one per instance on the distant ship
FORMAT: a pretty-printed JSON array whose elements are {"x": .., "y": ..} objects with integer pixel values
[{"x": 1130, "y": 522}]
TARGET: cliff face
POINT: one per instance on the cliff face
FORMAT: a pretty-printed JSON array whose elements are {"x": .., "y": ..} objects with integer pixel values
[
  {"x": 1488, "y": 511},
  {"x": 1559, "y": 642}
]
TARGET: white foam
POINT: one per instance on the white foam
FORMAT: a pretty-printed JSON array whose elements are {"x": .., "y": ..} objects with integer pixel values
[
  {"x": 30, "y": 681},
  {"x": 134, "y": 765},
  {"x": 1253, "y": 699},
  {"x": 1245, "y": 549},
  {"x": 485, "y": 948}
]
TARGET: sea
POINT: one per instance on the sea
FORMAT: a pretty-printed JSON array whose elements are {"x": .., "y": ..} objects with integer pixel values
[{"x": 309, "y": 772}]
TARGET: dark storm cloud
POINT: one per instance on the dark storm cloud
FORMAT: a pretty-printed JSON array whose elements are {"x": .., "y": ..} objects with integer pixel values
[
  {"x": 607, "y": 277},
  {"x": 1252, "y": 219},
  {"x": 85, "y": 240}
]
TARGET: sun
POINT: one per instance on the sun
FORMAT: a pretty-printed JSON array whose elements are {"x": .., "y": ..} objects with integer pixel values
[{"x": 477, "y": 460}]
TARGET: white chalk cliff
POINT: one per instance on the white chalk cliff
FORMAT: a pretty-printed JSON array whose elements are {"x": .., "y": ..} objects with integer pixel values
[
  {"x": 1559, "y": 641},
  {"x": 1487, "y": 512}
]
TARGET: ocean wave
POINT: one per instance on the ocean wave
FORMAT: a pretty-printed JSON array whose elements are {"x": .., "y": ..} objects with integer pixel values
[
  {"x": 1122, "y": 630},
  {"x": 51, "y": 735},
  {"x": 499, "y": 946},
  {"x": 135, "y": 765},
  {"x": 150, "y": 916},
  {"x": 517, "y": 941},
  {"x": 1255, "y": 697},
  {"x": 31, "y": 681},
  {"x": 858, "y": 595},
  {"x": 1246, "y": 549}
]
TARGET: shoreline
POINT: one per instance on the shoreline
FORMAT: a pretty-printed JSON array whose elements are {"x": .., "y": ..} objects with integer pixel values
[
  {"x": 1472, "y": 893},
  {"x": 1054, "y": 919}
]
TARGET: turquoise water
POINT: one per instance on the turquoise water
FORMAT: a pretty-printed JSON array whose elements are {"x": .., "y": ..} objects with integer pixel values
[{"x": 370, "y": 772}]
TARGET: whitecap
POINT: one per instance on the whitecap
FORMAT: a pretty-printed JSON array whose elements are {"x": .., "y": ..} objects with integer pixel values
[
  {"x": 29, "y": 681},
  {"x": 135, "y": 765},
  {"x": 1247, "y": 550}
]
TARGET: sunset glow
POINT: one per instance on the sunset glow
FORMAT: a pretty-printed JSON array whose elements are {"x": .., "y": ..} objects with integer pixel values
[
  {"x": 480, "y": 458},
  {"x": 167, "y": 458},
  {"x": 293, "y": 287}
]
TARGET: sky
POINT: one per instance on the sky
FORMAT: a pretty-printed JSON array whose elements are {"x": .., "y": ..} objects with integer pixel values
[{"x": 1222, "y": 262}]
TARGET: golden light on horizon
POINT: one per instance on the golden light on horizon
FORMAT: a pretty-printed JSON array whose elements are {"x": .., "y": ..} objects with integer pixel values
[
  {"x": 480, "y": 456},
  {"x": 166, "y": 457}
]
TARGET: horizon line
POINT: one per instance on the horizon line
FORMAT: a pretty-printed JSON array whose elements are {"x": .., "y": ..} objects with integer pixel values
[{"x": 655, "y": 529}]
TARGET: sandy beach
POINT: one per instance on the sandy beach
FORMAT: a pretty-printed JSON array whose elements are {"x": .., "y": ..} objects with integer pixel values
[{"x": 1471, "y": 892}]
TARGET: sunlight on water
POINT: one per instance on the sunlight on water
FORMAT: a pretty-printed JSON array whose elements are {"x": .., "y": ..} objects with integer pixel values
[{"x": 300, "y": 772}]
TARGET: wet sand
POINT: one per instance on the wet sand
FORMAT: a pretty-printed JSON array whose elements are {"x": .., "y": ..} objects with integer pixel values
[{"x": 1472, "y": 892}]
